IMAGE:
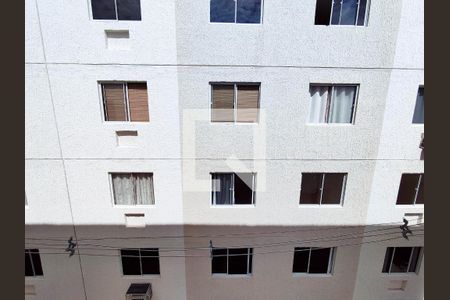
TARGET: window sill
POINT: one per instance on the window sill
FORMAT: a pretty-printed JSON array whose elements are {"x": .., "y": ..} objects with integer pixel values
[
  {"x": 311, "y": 275},
  {"x": 134, "y": 206},
  {"x": 125, "y": 122},
  {"x": 34, "y": 277},
  {"x": 147, "y": 276},
  {"x": 320, "y": 206},
  {"x": 399, "y": 275},
  {"x": 232, "y": 276},
  {"x": 234, "y": 206},
  {"x": 330, "y": 124},
  {"x": 235, "y": 123},
  {"x": 235, "y": 23},
  {"x": 418, "y": 206}
]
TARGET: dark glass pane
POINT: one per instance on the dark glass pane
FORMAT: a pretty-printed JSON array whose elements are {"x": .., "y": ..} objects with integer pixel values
[
  {"x": 348, "y": 13},
  {"x": 222, "y": 11},
  {"x": 419, "y": 110},
  {"x": 36, "y": 260},
  {"x": 401, "y": 259},
  {"x": 332, "y": 188},
  {"x": 221, "y": 190},
  {"x": 237, "y": 261},
  {"x": 407, "y": 189},
  {"x": 129, "y": 10},
  {"x": 150, "y": 261},
  {"x": 219, "y": 261},
  {"x": 103, "y": 9},
  {"x": 336, "y": 12},
  {"x": 248, "y": 11},
  {"x": 387, "y": 259},
  {"x": 243, "y": 192},
  {"x": 130, "y": 262},
  {"x": 323, "y": 12},
  {"x": 301, "y": 257},
  {"x": 318, "y": 263},
  {"x": 362, "y": 12},
  {"x": 413, "y": 266},
  {"x": 311, "y": 184},
  {"x": 28, "y": 267}
]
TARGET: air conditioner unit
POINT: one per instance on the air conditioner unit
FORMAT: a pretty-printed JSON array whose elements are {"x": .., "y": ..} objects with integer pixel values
[{"x": 139, "y": 291}]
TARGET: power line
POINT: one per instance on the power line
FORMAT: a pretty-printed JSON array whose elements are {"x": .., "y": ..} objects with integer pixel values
[
  {"x": 289, "y": 242},
  {"x": 231, "y": 235},
  {"x": 220, "y": 255}
]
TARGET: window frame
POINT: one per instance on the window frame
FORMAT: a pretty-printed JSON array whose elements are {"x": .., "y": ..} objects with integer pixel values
[
  {"x": 110, "y": 175},
  {"x": 140, "y": 262},
  {"x": 421, "y": 86},
  {"x": 331, "y": 92},
  {"x": 343, "y": 190},
  {"x": 213, "y": 202},
  {"x": 249, "y": 267},
  {"x": 124, "y": 83},
  {"x": 418, "y": 263},
  {"x": 366, "y": 15},
  {"x": 91, "y": 14},
  {"x": 235, "y": 109},
  {"x": 28, "y": 251},
  {"x": 416, "y": 190},
  {"x": 330, "y": 264},
  {"x": 235, "y": 16}
]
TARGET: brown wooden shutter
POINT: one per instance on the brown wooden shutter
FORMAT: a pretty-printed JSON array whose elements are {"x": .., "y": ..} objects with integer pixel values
[
  {"x": 138, "y": 99},
  {"x": 247, "y": 103},
  {"x": 114, "y": 99},
  {"x": 222, "y": 103}
]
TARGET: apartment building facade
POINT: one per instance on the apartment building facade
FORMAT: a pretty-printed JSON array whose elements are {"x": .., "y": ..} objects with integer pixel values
[{"x": 224, "y": 149}]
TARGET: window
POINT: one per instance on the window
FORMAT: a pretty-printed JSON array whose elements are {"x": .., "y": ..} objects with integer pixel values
[
  {"x": 313, "y": 260},
  {"x": 125, "y": 101},
  {"x": 402, "y": 259},
  {"x": 419, "y": 110},
  {"x": 235, "y": 11},
  {"x": 116, "y": 10},
  {"x": 133, "y": 188},
  {"x": 33, "y": 266},
  {"x": 322, "y": 188},
  {"x": 232, "y": 261},
  {"x": 332, "y": 103},
  {"x": 233, "y": 188},
  {"x": 140, "y": 261},
  {"x": 342, "y": 12},
  {"x": 235, "y": 102},
  {"x": 411, "y": 189}
]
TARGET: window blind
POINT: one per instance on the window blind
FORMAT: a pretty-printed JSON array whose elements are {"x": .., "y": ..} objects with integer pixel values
[
  {"x": 114, "y": 98},
  {"x": 222, "y": 103},
  {"x": 247, "y": 103},
  {"x": 138, "y": 99}
]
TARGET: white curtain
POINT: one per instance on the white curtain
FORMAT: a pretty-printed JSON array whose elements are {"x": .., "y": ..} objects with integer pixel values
[
  {"x": 342, "y": 104},
  {"x": 133, "y": 189},
  {"x": 222, "y": 189},
  {"x": 123, "y": 189},
  {"x": 319, "y": 98},
  {"x": 144, "y": 189}
]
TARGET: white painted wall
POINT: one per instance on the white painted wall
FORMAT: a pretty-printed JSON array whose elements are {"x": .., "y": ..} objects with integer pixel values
[{"x": 178, "y": 52}]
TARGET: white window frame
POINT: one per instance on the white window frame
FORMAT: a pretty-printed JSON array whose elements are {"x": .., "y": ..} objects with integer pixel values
[
  {"x": 27, "y": 251},
  {"x": 330, "y": 265},
  {"x": 341, "y": 200},
  {"x": 235, "y": 15},
  {"x": 249, "y": 253},
  {"x": 126, "y": 101},
  {"x": 416, "y": 271},
  {"x": 110, "y": 176},
  {"x": 416, "y": 189},
  {"x": 233, "y": 174},
  {"x": 140, "y": 263},
  {"x": 235, "y": 84},
  {"x": 91, "y": 14},
  {"x": 330, "y": 99},
  {"x": 366, "y": 14}
]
